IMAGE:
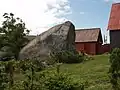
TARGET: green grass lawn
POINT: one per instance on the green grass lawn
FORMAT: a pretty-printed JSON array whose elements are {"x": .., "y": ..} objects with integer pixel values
[{"x": 93, "y": 72}]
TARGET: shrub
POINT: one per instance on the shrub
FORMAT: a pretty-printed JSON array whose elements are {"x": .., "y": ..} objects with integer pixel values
[
  {"x": 67, "y": 57},
  {"x": 114, "y": 70},
  {"x": 26, "y": 64},
  {"x": 26, "y": 68},
  {"x": 58, "y": 81},
  {"x": 31, "y": 79},
  {"x": 3, "y": 77}
]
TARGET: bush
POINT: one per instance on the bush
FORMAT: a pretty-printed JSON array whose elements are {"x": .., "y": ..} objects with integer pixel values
[
  {"x": 58, "y": 81},
  {"x": 67, "y": 57},
  {"x": 26, "y": 68},
  {"x": 114, "y": 70},
  {"x": 61, "y": 82},
  {"x": 31, "y": 79}
]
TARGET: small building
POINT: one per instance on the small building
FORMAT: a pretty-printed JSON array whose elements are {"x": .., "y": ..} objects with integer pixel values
[
  {"x": 89, "y": 40},
  {"x": 114, "y": 26}
]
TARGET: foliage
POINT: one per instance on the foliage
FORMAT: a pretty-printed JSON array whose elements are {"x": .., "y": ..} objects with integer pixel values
[
  {"x": 67, "y": 57},
  {"x": 115, "y": 68},
  {"x": 86, "y": 56},
  {"x": 32, "y": 79},
  {"x": 56, "y": 80},
  {"x": 61, "y": 81},
  {"x": 3, "y": 77},
  {"x": 13, "y": 32},
  {"x": 92, "y": 74},
  {"x": 9, "y": 68}
]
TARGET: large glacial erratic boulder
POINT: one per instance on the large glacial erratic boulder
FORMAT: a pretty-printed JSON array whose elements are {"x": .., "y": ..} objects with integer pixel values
[{"x": 58, "y": 38}]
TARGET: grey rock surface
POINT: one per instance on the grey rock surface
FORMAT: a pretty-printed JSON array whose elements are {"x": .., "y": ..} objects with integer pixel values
[{"x": 58, "y": 38}]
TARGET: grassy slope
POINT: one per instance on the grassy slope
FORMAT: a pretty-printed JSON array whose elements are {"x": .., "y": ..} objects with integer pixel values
[{"x": 93, "y": 72}]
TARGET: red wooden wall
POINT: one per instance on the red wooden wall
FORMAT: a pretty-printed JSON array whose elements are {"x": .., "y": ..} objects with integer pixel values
[
  {"x": 105, "y": 48},
  {"x": 92, "y": 48},
  {"x": 89, "y": 48}
]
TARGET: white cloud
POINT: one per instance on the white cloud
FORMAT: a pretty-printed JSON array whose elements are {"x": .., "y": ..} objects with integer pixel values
[
  {"x": 82, "y": 13},
  {"x": 37, "y": 14},
  {"x": 106, "y": 0},
  {"x": 114, "y": 1}
]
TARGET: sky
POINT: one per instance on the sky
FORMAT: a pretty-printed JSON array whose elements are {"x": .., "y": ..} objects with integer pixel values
[{"x": 40, "y": 15}]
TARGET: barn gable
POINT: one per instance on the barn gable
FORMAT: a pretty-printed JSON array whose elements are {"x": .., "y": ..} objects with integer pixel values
[
  {"x": 89, "y": 35},
  {"x": 114, "y": 26},
  {"x": 89, "y": 40},
  {"x": 114, "y": 19}
]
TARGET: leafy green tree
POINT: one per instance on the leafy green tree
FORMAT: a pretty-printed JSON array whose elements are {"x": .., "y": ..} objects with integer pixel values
[
  {"x": 13, "y": 32},
  {"x": 114, "y": 69}
]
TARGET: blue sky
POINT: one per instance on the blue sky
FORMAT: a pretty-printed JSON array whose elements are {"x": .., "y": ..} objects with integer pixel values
[
  {"x": 40, "y": 15},
  {"x": 91, "y": 13},
  {"x": 88, "y": 13}
]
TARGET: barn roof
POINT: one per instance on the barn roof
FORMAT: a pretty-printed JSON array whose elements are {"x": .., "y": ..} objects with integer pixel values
[
  {"x": 88, "y": 35},
  {"x": 114, "y": 20}
]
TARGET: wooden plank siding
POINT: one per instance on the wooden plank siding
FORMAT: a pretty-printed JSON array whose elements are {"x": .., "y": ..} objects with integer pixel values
[
  {"x": 114, "y": 39},
  {"x": 89, "y": 48}
]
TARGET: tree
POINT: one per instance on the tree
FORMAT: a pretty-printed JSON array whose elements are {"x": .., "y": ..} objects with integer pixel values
[
  {"x": 114, "y": 69},
  {"x": 13, "y": 32}
]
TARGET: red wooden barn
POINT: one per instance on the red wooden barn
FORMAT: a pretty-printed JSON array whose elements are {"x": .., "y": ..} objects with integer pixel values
[
  {"x": 89, "y": 40},
  {"x": 114, "y": 26}
]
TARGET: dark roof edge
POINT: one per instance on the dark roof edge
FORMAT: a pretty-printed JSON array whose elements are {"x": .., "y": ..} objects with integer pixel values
[
  {"x": 88, "y": 29},
  {"x": 116, "y": 3},
  {"x": 86, "y": 42}
]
